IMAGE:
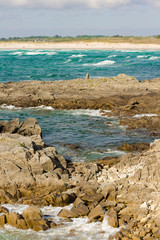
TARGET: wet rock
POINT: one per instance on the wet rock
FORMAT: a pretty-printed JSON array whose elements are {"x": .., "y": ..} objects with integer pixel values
[
  {"x": 3, "y": 209},
  {"x": 151, "y": 123},
  {"x": 16, "y": 220},
  {"x": 34, "y": 220},
  {"x": 3, "y": 220},
  {"x": 96, "y": 214},
  {"x": 72, "y": 146}
]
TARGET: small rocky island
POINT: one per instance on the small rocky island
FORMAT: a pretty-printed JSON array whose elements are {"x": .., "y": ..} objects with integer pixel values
[{"x": 127, "y": 191}]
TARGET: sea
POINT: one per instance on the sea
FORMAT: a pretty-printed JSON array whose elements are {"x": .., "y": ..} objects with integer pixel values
[{"x": 95, "y": 135}]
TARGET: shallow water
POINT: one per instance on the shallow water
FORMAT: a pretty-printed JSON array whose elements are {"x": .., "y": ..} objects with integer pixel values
[{"x": 95, "y": 135}]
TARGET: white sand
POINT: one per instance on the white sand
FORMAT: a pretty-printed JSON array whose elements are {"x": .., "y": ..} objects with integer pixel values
[{"x": 78, "y": 45}]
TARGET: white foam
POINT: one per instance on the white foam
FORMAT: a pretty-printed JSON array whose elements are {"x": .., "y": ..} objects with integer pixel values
[
  {"x": 51, "y": 53},
  {"x": 16, "y": 53},
  {"x": 110, "y": 56},
  {"x": 143, "y": 56},
  {"x": 154, "y": 58},
  {"x": 78, "y": 228},
  {"x": 102, "y": 63},
  {"x": 67, "y": 61},
  {"x": 9, "y": 107},
  {"x": 114, "y": 152},
  {"x": 145, "y": 115},
  {"x": 78, "y": 55},
  {"x": 42, "y": 107},
  {"x": 30, "y": 53},
  {"x": 12, "y": 107},
  {"x": 93, "y": 113}
]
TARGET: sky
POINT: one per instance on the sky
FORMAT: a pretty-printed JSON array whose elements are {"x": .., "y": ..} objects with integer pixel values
[{"x": 20, "y": 18}]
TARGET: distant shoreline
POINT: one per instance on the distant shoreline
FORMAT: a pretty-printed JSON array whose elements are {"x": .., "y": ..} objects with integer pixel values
[{"x": 80, "y": 45}]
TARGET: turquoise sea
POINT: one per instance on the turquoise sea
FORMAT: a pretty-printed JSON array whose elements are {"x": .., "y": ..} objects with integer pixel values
[{"x": 96, "y": 136}]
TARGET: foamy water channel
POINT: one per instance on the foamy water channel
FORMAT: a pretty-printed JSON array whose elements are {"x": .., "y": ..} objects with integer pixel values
[{"x": 76, "y": 229}]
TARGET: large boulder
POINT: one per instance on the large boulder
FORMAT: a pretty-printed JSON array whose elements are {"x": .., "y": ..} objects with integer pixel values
[{"x": 34, "y": 220}]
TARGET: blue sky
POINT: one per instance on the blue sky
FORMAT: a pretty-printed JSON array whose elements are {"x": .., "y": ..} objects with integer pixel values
[{"x": 74, "y": 17}]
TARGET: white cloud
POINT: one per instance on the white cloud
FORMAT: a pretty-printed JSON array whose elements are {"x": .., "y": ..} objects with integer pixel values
[{"x": 58, "y": 4}]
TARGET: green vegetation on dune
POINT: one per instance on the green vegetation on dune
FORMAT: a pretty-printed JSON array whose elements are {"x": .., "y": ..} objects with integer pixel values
[{"x": 87, "y": 38}]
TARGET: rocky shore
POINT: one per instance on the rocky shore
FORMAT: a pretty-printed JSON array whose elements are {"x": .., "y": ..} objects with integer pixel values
[
  {"x": 126, "y": 191},
  {"x": 124, "y": 96}
]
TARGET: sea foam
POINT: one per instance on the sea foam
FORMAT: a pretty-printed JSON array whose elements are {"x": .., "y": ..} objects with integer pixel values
[
  {"x": 9, "y": 107},
  {"x": 93, "y": 113},
  {"x": 154, "y": 58},
  {"x": 145, "y": 115},
  {"x": 78, "y": 228},
  {"x": 78, "y": 55},
  {"x": 102, "y": 63}
]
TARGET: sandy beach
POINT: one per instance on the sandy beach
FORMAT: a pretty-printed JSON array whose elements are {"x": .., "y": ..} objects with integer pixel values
[{"x": 79, "y": 45}]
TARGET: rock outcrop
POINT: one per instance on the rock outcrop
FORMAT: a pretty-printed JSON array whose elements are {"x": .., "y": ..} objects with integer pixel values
[
  {"x": 124, "y": 95},
  {"x": 126, "y": 191},
  {"x": 24, "y": 161}
]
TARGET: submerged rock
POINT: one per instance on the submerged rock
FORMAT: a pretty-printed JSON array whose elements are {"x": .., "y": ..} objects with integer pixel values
[{"x": 136, "y": 147}]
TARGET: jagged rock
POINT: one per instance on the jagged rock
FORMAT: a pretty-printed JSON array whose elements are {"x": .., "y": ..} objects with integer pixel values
[
  {"x": 63, "y": 199},
  {"x": 16, "y": 220},
  {"x": 33, "y": 200},
  {"x": 92, "y": 198},
  {"x": 77, "y": 201},
  {"x": 108, "y": 204},
  {"x": 23, "y": 163},
  {"x": 3, "y": 209},
  {"x": 112, "y": 218},
  {"x": 27, "y": 128},
  {"x": 30, "y": 127},
  {"x": 67, "y": 214},
  {"x": 96, "y": 214},
  {"x": 34, "y": 220},
  {"x": 10, "y": 127},
  {"x": 107, "y": 190},
  {"x": 6, "y": 197},
  {"x": 81, "y": 209},
  {"x": 3, "y": 220}
]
